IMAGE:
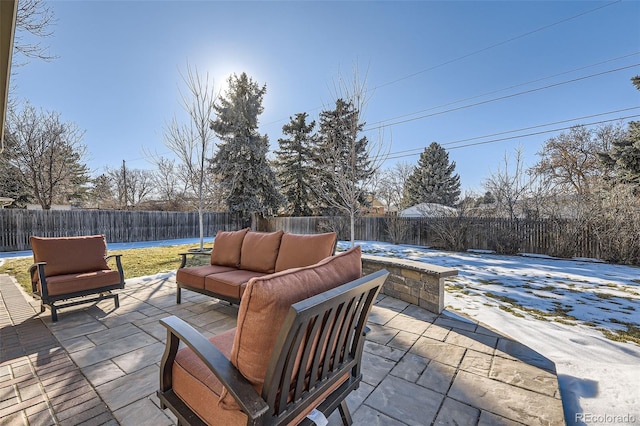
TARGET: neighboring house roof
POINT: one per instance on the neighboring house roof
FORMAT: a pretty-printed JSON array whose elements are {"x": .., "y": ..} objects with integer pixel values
[{"x": 428, "y": 210}]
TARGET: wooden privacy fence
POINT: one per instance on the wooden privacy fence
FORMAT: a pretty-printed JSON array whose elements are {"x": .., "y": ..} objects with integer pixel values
[
  {"x": 562, "y": 238},
  {"x": 16, "y": 225}
]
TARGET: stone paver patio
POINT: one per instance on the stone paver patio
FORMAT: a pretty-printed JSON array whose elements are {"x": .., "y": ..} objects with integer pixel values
[{"x": 98, "y": 365}]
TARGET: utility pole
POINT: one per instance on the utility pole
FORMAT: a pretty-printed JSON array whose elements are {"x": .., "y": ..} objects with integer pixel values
[{"x": 124, "y": 184}]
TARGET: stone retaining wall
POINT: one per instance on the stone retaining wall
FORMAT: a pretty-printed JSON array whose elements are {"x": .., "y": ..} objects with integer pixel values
[{"x": 414, "y": 282}]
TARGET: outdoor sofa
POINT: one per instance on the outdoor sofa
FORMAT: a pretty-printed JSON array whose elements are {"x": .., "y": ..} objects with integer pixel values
[
  {"x": 296, "y": 350},
  {"x": 73, "y": 267},
  {"x": 238, "y": 256}
]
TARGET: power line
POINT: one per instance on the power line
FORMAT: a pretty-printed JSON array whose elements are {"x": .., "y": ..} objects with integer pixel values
[
  {"x": 501, "y": 98},
  {"x": 506, "y": 88},
  {"x": 499, "y": 44},
  {"x": 474, "y": 52},
  {"x": 413, "y": 150},
  {"x": 517, "y": 136}
]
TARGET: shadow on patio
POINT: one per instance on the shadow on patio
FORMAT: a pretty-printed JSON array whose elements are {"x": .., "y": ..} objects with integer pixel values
[{"x": 97, "y": 365}]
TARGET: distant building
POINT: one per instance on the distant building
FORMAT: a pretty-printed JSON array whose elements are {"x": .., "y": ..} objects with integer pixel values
[
  {"x": 375, "y": 208},
  {"x": 53, "y": 207},
  {"x": 5, "y": 201},
  {"x": 428, "y": 210}
]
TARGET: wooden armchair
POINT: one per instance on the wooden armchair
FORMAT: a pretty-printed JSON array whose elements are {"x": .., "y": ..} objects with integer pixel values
[
  {"x": 72, "y": 267},
  {"x": 297, "y": 349}
]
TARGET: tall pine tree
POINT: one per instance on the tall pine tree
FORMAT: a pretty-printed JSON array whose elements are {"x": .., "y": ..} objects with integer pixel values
[
  {"x": 293, "y": 168},
  {"x": 342, "y": 159},
  {"x": 433, "y": 180},
  {"x": 241, "y": 160}
]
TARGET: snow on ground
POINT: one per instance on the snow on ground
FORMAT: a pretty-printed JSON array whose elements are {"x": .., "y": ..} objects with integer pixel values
[{"x": 567, "y": 310}]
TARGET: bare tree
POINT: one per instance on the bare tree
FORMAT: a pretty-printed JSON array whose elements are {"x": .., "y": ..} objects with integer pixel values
[
  {"x": 48, "y": 155},
  {"x": 170, "y": 186},
  {"x": 192, "y": 142},
  {"x": 570, "y": 160},
  {"x": 132, "y": 186},
  {"x": 34, "y": 18},
  {"x": 344, "y": 150},
  {"x": 509, "y": 186},
  {"x": 392, "y": 183}
]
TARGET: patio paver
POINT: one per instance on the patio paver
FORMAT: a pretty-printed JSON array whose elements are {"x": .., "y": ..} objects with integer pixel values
[{"x": 98, "y": 365}]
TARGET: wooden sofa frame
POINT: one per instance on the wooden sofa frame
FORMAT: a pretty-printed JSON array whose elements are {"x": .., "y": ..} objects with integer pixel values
[{"x": 336, "y": 317}]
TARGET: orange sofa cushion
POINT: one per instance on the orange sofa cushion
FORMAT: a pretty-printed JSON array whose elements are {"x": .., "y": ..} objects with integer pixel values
[
  {"x": 70, "y": 255},
  {"x": 226, "y": 248},
  {"x": 266, "y": 302},
  {"x": 260, "y": 250},
  {"x": 298, "y": 250},
  {"x": 230, "y": 283},
  {"x": 71, "y": 283},
  {"x": 193, "y": 276}
]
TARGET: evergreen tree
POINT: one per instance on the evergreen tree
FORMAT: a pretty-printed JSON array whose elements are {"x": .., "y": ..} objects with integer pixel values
[
  {"x": 624, "y": 155},
  {"x": 11, "y": 183},
  {"x": 433, "y": 180},
  {"x": 293, "y": 168},
  {"x": 241, "y": 160},
  {"x": 342, "y": 159}
]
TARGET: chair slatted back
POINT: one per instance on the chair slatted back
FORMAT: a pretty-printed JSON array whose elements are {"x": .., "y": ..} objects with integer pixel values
[{"x": 319, "y": 347}]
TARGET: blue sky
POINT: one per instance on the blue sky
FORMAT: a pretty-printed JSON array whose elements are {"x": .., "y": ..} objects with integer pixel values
[{"x": 117, "y": 75}]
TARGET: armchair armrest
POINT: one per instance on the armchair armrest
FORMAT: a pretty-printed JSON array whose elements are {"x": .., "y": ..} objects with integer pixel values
[
  {"x": 118, "y": 264},
  {"x": 183, "y": 261},
  {"x": 36, "y": 272},
  {"x": 238, "y": 386}
]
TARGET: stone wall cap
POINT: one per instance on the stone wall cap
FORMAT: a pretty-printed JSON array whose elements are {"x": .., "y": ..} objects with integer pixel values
[{"x": 438, "y": 271}]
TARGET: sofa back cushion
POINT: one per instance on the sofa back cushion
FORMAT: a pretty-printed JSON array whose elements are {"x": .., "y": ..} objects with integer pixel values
[
  {"x": 267, "y": 300},
  {"x": 297, "y": 250},
  {"x": 70, "y": 255},
  {"x": 227, "y": 247},
  {"x": 260, "y": 250}
]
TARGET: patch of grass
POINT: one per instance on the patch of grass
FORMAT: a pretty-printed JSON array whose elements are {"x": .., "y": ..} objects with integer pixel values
[
  {"x": 561, "y": 321},
  {"x": 511, "y": 311},
  {"x": 19, "y": 269},
  {"x": 501, "y": 298},
  {"x": 484, "y": 281},
  {"x": 611, "y": 285},
  {"x": 563, "y": 312},
  {"x": 631, "y": 334},
  {"x": 454, "y": 287},
  {"x": 548, "y": 288},
  {"x": 542, "y": 296},
  {"x": 603, "y": 295},
  {"x": 135, "y": 262}
]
